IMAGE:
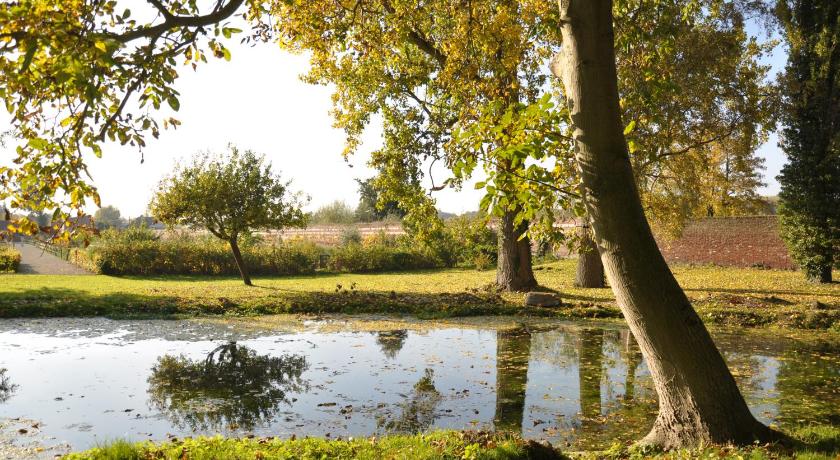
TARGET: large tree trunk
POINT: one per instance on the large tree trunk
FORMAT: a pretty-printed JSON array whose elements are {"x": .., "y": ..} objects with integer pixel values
[
  {"x": 243, "y": 270},
  {"x": 513, "y": 351},
  {"x": 514, "y": 271},
  {"x": 699, "y": 401},
  {"x": 590, "y": 270},
  {"x": 825, "y": 273}
]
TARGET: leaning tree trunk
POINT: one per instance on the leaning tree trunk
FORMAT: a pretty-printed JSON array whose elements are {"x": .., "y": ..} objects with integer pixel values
[
  {"x": 590, "y": 270},
  {"x": 243, "y": 270},
  {"x": 513, "y": 271},
  {"x": 699, "y": 401}
]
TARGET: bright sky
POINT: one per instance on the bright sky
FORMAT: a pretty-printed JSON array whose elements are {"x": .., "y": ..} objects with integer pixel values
[{"x": 257, "y": 101}]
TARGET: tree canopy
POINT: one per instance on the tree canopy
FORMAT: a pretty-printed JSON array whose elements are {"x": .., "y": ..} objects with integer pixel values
[
  {"x": 810, "y": 196},
  {"x": 77, "y": 74},
  {"x": 108, "y": 216},
  {"x": 229, "y": 195}
]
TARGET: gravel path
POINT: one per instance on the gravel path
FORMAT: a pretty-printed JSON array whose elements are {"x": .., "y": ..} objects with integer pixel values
[{"x": 38, "y": 262}]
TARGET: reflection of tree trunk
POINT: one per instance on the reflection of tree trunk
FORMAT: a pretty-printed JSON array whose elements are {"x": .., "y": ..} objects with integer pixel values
[
  {"x": 590, "y": 371},
  {"x": 513, "y": 350},
  {"x": 699, "y": 401},
  {"x": 632, "y": 358},
  {"x": 590, "y": 270}
]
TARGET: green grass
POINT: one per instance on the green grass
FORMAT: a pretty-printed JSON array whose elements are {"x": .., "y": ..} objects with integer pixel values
[
  {"x": 726, "y": 296},
  {"x": 812, "y": 443},
  {"x": 438, "y": 445}
]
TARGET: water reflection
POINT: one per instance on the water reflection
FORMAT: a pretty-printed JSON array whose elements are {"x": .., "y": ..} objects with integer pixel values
[
  {"x": 582, "y": 383},
  {"x": 7, "y": 388},
  {"x": 391, "y": 342},
  {"x": 805, "y": 383},
  {"x": 417, "y": 412},
  {"x": 590, "y": 370},
  {"x": 232, "y": 387},
  {"x": 513, "y": 351},
  {"x": 632, "y": 356}
]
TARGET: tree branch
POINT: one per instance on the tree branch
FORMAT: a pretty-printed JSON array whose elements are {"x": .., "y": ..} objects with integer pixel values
[{"x": 173, "y": 22}]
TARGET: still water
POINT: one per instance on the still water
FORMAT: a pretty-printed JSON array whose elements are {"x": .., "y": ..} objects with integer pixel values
[{"x": 68, "y": 384}]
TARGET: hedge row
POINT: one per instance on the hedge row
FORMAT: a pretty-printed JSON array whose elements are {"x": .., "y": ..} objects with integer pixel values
[
  {"x": 199, "y": 257},
  {"x": 9, "y": 259},
  {"x": 141, "y": 252}
]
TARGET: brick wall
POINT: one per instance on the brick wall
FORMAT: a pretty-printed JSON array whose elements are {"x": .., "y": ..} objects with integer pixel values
[{"x": 730, "y": 241}]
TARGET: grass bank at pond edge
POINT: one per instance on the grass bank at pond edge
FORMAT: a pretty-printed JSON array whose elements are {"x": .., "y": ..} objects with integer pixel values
[
  {"x": 723, "y": 296},
  {"x": 811, "y": 443},
  {"x": 438, "y": 445}
]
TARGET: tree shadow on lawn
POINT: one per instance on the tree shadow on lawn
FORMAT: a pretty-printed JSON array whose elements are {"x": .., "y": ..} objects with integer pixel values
[
  {"x": 63, "y": 302},
  {"x": 300, "y": 276},
  {"x": 766, "y": 292}
]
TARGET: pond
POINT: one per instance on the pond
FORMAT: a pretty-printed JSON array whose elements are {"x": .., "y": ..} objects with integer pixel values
[{"x": 68, "y": 384}]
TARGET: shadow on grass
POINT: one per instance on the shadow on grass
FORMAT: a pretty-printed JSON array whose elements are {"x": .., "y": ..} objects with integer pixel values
[
  {"x": 763, "y": 292},
  {"x": 63, "y": 302}
]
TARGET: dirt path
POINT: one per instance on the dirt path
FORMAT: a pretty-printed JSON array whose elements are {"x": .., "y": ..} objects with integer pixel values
[{"x": 38, "y": 262}]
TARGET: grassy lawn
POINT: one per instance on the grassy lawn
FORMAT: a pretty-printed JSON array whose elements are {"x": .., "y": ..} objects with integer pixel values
[
  {"x": 737, "y": 296},
  {"x": 809, "y": 443}
]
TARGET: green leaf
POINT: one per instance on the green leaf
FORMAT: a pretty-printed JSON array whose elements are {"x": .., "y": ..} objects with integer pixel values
[
  {"x": 174, "y": 103},
  {"x": 101, "y": 46},
  {"x": 27, "y": 59},
  {"x": 479, "y": 185}
]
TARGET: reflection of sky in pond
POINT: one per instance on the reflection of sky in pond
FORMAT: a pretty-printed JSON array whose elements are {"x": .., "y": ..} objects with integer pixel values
[{"x": 92, "y": 384}]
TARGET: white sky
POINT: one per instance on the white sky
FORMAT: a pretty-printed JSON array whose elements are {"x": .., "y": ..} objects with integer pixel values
[{"x": 258, "y": 102}]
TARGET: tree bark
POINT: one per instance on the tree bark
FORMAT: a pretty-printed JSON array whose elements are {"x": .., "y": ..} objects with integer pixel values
[
  {"x": 590, "y": 270},
  {"x": 699, "y": 401},
  {"x": 825, "y": 274},
  {"x": 513, "y": 351},
  {"x": 243, "y": 270},
  {"x": 514, "y": 271}
]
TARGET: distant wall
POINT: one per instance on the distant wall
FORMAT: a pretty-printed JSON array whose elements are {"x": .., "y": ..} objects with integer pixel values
[{"x": 730, "y": 241}]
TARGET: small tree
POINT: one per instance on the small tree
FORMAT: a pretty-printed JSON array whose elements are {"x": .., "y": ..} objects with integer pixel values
[
  {"x": 371, "y": 208},
  {"x": 337, "y": 212},
  {"x": 230, "y": 195},
  {"x": 108, "y": 216}
]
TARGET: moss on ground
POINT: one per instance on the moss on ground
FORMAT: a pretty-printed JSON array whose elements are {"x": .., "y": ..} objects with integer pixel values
[{"x": 723, "y": 296}]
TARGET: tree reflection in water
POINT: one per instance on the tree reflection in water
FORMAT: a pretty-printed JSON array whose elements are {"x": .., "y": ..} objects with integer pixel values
[
  {"x": 7, "y": 388},
  {"x": 232, "y": 387},
  {"x": 417, "y": 413},
  {"x": 391, "y": 342},
  {"x": 590, "y": 373},
  {"x": 513, "y": 352}
]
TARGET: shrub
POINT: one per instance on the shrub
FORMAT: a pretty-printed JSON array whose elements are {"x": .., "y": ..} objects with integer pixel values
[
  {"x": 9, "y": 259},
  {"x": 350, "y": 235},
  {"x": 463, "y": 242},
  {"x": 475, "y": 244},
  {"x": 141, "y": 252},
  {"x": 380, "y": 253}
]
